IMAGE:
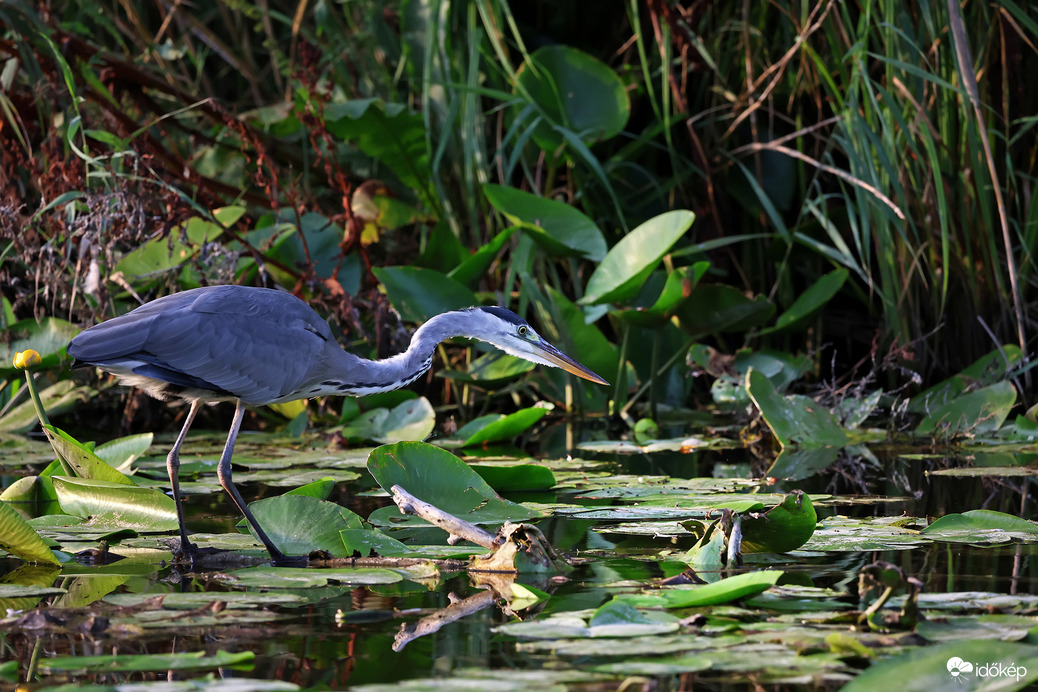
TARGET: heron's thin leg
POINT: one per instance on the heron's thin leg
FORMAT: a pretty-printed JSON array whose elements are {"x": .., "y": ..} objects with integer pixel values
[
  {"x": 223, "y": 471},
  {"x": 173, "y": 468}
]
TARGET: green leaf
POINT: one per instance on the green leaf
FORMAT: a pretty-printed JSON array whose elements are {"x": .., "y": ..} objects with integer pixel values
[
  {"x": 627, "y": 265},
  {"x": 391, "y": 134},
  {"x": 442, "y": 479},
  {"x": 573, "y": 91},
  {"x": 413, "y": 419},
  {"x": 125, "y": 663},
  {"x": 810, "y": 301},
  {"x": 502, "y": 427},
  {"x": 557, "y": 227},
  {"x": 977, "y": 413},
  {"x": 722, "y": 591},
  {"x": 795, "y": 420},
  {"x": 300, "y": 524},
  {"x": 371, "y": 543},
  {"x": 714, "y": 308},
  {"x": 930, "y": 668},
  {"x": 123, "y": 450},
  {"x": 491, "y": 370},
  {"x": 676, "y": 289},
  {"x": 783, "y": 528},
  {"x": 56, "y": 399},
  {"x": 515, "y": 477},
  {"x": 419, "y": 294},
  {"x": 116, "y": 504},
  {"x": 988, "y": 369},
  {"x": 474, "y": 267},
  {"x": 20, "y": 539},
  {"x": 320, "y": 488},
  {"x": 83, "y": 461},
  {"x": 967, "y": 527},
  {"x": 48, "y": 337}
]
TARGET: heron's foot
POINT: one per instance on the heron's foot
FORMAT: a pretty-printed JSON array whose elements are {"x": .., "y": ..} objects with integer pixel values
[{"x": 282, "y": 560}]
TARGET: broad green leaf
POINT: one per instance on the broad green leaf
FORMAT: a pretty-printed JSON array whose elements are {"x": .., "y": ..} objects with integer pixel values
[
  {"x": 968, "y": 526},
  {"x": 986, "y": 370},
  {"x": 48, "y": 337},
  {"x": 515, "y": 477},
  {"x": 442, "y": 479},
  {"x": 795, "y": 420},
  {"x": 126, "y": 663},
  {"x": 795, "y": 463},
  {"x": 555, "y": 226},
  {"x": 56, "y": 399},
  {"x": 320, "y": 488},
  {"x": 419, "y": 294},
  {"x": 620, "y": 275},
  {"x": 300, "y": 524},
  {"x": 391, "y": 134},
  {"x": 943, "y": 666},
  {"x": 491, "y": 370},
  {"x": 810, "y": 301},
  {"x": 124, "y": 450},
  {"x": 573, "y": 91},
  {"x": 472, "y": 269},
  {"x": 83, "y": 461},
  {"x": 677, "y": 287},
  {"x": 502, "y": 427},
  {"x": 32, "y": 495},
  {"x": 20, "y": 539},
  {"x": 116, "y": 504},
  {"x": 371, "y": 543},
  {"x": 714, "y": 308},
  {"x": 413, "y": 419},
  {"x": 722, "y": 591},
  {"x": 783, "y": 528},
  {"x": 976, "y": 413},
  {"x": 166, "y": 253}
]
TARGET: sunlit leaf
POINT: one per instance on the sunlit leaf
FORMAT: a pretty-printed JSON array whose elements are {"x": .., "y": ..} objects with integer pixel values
[
  {"x": 20, "y": 539},
  {"x": 498, "y": 427},
  {"x": 412, "y": 419},
  {"x": 783, "y": 528},
  {"x": 515, "y": 477},
  {"x": 722, "y": 591},
  {"x": 555, "y": 226},
  {"x": 976, "y": 526},
  {"x": 122, "y": 451},
  {"x": 442, "y": 479},
  {"x": 116, "y": 504},
  {"x": 300, "y": 524},
  {"x": 619, "y": 276},
  {"x": 196, "y": 660}
]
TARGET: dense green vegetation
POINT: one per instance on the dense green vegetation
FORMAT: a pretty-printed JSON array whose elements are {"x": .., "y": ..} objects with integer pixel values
[{"x": 800, "y": 230}]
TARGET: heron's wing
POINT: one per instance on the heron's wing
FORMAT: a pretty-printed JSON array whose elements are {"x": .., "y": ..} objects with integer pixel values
[{"x": 259, "y": 346}]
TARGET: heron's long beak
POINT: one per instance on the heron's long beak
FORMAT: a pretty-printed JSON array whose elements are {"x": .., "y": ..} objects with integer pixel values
[{"x": 560, "y": 359}]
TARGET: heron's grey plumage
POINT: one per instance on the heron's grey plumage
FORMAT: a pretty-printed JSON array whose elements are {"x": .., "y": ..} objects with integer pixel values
[{"x": 263, "y": 346}]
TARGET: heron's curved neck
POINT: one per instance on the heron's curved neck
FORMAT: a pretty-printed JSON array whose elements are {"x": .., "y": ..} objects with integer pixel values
[{"x": 361, "y": 377}]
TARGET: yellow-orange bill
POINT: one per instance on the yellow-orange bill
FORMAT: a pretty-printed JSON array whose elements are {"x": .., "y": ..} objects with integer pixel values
[{"x": 563, "y": 361}]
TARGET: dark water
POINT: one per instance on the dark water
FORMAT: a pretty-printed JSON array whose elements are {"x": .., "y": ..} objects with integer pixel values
[{"x": 345, "y": 636}]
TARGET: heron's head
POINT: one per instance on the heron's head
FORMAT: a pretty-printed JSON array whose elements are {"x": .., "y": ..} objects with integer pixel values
[{"x": 513, "y": 335}]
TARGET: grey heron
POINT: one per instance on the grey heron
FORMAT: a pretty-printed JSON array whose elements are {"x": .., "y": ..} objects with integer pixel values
[{"x": 259, "y": 346}]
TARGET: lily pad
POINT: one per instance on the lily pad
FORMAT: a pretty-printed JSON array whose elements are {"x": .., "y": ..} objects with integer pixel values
[
  {"x": 442, "y": 479},
  {"x": 116, "y": 504},
  {"x": 21, "y": 540},
  {"x": 977, "y": 413},
  {"x": 299, "y": 524}
]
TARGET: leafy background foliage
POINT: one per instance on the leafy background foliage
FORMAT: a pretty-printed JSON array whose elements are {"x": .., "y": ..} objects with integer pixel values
[{"x": 423, "y": 155}]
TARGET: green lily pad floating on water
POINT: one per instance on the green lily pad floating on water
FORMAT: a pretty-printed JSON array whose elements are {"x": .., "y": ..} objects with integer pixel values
[
  {"x": 299, "y": 524},
  {"x": 722, "y": 591},
  {"x": 441, "y": 479},
  {"x": 981, "y": 526},
  {"x": 977, "y": 664},
  {"x": 137, "y": 663}
]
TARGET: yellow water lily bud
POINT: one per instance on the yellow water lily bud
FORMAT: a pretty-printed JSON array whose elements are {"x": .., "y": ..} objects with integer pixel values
[{"x": 24, "y": 360}]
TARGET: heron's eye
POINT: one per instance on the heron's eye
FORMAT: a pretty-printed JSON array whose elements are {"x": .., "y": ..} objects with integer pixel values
[{"x": 522, "y": 330}]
